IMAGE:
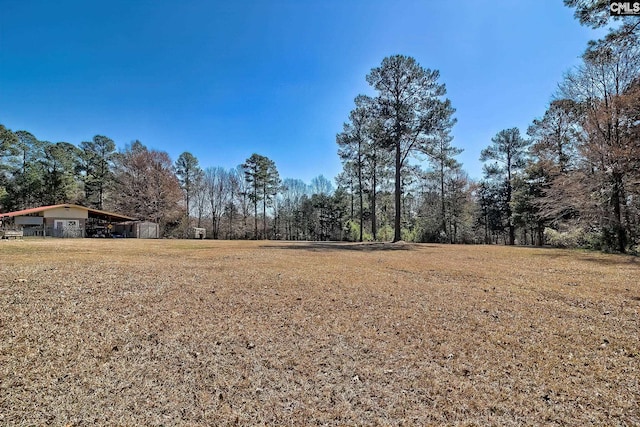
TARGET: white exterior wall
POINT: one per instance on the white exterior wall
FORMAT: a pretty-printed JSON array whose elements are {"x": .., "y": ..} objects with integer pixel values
[{"x": 67, "y": 213}]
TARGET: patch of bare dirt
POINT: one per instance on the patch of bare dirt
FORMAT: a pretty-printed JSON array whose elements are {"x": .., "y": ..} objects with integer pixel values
[{"x": 131, "y": 332}]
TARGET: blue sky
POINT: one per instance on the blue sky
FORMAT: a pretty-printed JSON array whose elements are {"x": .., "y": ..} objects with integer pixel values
[{"x": 225, "y": 79}]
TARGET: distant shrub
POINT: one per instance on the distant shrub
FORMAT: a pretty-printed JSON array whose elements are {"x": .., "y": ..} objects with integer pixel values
[
  {"x": 411, "y": 235},
  {"x": 596, "y": 241},
  {"x": 385, "y": 233},
  {"x": 573, "y": 238},
  {"x": 354, "y": 232}
]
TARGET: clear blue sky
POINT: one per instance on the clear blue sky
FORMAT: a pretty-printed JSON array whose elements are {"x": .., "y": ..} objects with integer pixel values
[{"x": 224, "y": 79}]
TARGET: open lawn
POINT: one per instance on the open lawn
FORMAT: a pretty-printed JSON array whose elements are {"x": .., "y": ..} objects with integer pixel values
[{"x": 171, "y": 332}]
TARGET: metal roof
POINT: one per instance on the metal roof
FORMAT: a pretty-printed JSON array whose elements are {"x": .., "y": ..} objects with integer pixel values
[{"x": 93, "y": 213}]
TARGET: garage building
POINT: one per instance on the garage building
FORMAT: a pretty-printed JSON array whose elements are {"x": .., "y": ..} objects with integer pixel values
[{"x": 69, "y": 220}]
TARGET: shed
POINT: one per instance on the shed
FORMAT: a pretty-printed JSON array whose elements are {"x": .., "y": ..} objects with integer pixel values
[
  {"x": 137, "y": 229},
  {"x": 197, "y": 233}
]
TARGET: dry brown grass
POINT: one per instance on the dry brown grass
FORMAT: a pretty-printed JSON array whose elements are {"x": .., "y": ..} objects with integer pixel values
[{"x": 132, "y": 332}]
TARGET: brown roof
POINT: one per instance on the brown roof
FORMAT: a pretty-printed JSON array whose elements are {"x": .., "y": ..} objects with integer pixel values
[{"x": 93, "y": 213}]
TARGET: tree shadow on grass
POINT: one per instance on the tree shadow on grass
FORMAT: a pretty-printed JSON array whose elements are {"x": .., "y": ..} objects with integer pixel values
[
  {"x": 344, "y": 246},
  {"x": 593, "y": 257},
  {"x": 610, "y": 259}
]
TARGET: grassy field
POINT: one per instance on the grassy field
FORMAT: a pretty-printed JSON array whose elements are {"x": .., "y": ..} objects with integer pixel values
[{"x": 140, "y": 332}]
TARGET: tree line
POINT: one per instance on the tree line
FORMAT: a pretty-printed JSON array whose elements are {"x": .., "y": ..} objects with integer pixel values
[
  {"x": 246, "y": 202},
  {"x": 572, "y": 180},
  {"x": 575, "y": 179}
]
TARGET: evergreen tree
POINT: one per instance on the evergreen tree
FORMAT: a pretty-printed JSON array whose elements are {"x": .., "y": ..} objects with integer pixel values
[
  {"x": 264, "y": 183},
  {"x": 60, "y": 164},
  {"x": 508, "y": 153},
  {"x": 412, "y": 111},
  {"x": 442, "y": 158},
  {"x": 189, "y": 174},
  {"x": 97, "y": 157}
]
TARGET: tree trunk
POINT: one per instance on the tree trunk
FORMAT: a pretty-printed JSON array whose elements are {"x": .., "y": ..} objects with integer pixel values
[
  {"x": 486, "y": 228},
  {"x": 214, "y": 225},
  {"x": 361, "y": 197},
  {"x": 540, "y": 234},
  {"x": 353, "y": 203},
  {"x": 264, "y": 212},
  {"x": 255, "y": 216},
  {"x": 264, "y": 219},
  {"x": 512, "y": 228},
  {"x": 398, "y": 194},
  {"x": 230, "y": 215},
  {"x": 455, "y": 233},
  {"x": 442, "y": 206},
  {"x": 616, "y": 200},
  {"x": 374, "y": 189}
]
